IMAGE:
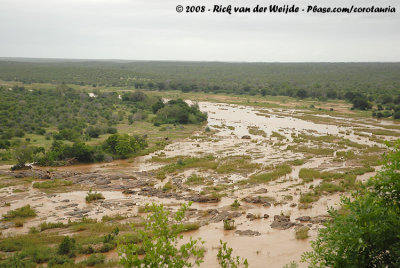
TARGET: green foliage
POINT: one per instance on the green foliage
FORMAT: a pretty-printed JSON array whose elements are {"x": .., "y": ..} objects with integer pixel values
[
  {"x": 178, "y": 111},
  {"x": 95, "y": 259},
  {"x": 51, "y": 184},
  {"x": 302, "y": 232},
  {"x": 67, "y": 246},
  {"x": 79, "y": 151},
  {"x": 160, "y": 238},
  {"x": 22, "y": 212},
  {"x": 124, "y": 145},
  {"x": 235, "y": 204},
  {"x": 277, "y": 172},
  {"x": 227, "y": 260},
  {"x": 23, "y": 154},
  {"x": 93, "y": 196},
  {"x": 51, "y": 225},
  {"x": 292, "y": 264},
  {"x": 367, "y": 235},
  {"x": 229, "y": 224},
  {"x": 194, "y": 179}
]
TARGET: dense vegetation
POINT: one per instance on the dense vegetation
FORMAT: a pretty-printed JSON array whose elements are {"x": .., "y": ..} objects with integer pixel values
[
  {"x": 365, "y": 232},
  {"x": 366, "y": 85},
  {"x": 68, "y": 118}
]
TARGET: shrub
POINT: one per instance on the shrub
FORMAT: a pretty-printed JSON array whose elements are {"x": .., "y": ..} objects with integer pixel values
[
  {"x": 93, "y": 196},
  {"x": 367, "y": 234},
  {"x": 22, "y": 212},
  {"x": 67, "y": 246},
  {"x": 51, "y": 184},
  {"x": 160, "y": 242},
  {"x": 95, "y": 259},
  {"x": 229, "y": 224},
  {"x": 235, "y": 204},
  {"x": 302, "y": 232},
  {"x": 227, "y": 260},
  {"x": 51, "y": 225}
]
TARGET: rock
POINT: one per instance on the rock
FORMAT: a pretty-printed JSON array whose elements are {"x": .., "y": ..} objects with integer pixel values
[
  {"x": 66, "y": 206},
  {"x": 303, "y": 218},
  {"x": 65, "y": 200},
  {"x": 266, "y": 216},
  {"x": 128, "y": 191},
  {"x": 78, "y": 213},
  {"x": 257, "y": 200},
  {"x": 247, "y": 233},
  {"x": 251, "y": 216},
  {"x": 246, "y": 137},
  {"x": 261, "y": 191},
  {"x": 293, "y": 205},
  {"x": 282, "y": 222},
  {"x": 204, "y": 199},
  {"x": 224, "y": 215},
  {"x": 6, "y": 225},
  {"x": 212, "y": 211},
  {"x": 102, "y": 181}
]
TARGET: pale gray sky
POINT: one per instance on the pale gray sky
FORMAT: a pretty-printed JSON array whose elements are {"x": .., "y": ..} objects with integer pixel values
[{"x": 153, "y": 30}]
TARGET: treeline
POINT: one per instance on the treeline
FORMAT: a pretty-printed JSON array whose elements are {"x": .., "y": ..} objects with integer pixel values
[
  {"x": 67, "y": 115},
  {"x": 377, "y": 85},
  {"x": 316, "y": 80}
]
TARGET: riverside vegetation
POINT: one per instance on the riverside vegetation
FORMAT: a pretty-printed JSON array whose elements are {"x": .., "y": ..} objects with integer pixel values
[{"x": 124, "y": 175}]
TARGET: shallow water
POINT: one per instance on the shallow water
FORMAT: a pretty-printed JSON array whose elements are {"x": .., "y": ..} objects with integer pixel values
[{"x": 273, "y": 248}]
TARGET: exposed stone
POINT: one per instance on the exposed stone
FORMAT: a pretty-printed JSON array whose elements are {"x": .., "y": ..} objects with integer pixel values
[
  {"x": 282, "y": 222},
  {"x": 204, "y": 199},
  {"x": 251, "y": 216},
  {"x": 224, "y": 215},
  {"x": 303, "y": 218},
  {"x": 246, "y": 137},
  {"x": 261, "y": 191},
  {"x": 128, "y": 191},
  {"x": 247, "y": 233},
  {"x": 257, "y": 200}
]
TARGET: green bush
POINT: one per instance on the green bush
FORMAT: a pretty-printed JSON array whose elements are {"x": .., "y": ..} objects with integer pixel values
[
  {"x": 93, "y": 196},
  {"x": 67, "y": 246},
  {"x": 367, "y": 235},
  {"x": 95, "y": 259},
  {"x": 160, "y": 237},
  {"x": 22, "y": 212},
  {"x": 52, "y": 184}
]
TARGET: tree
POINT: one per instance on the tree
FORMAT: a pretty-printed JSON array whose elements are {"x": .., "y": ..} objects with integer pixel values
[
  {"x": 367, "y": 233},
  {"x": 160, "y": 238},
  {"x": 361, "y": 103},
  {"x": 23, "y": 154},
  {"x": 301, "y": 93}
]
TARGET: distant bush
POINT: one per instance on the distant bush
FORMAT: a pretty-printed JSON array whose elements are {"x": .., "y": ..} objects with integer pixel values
[{"x": 178, "y": 111}]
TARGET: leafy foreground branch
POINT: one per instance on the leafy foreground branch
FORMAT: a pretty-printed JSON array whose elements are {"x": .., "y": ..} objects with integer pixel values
[
  {"x": 160, "y": 237},
  {"x": 366, "y": 231},
  {"x": 160, "y": 242}
]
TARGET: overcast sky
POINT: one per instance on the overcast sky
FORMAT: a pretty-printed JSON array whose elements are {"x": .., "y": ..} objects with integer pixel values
[{"x": 153, "y": 30}]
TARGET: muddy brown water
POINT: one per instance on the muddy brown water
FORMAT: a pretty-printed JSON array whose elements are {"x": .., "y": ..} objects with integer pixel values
[{"x": 273, "y": 248}]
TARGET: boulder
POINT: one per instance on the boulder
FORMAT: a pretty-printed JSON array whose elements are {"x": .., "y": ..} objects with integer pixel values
[
  {"x": 257, "y": 200},
  {"x": 282, "y": 222},
  {"x": 247, "y": 233},
  {"x": 303, "y": 218}
]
